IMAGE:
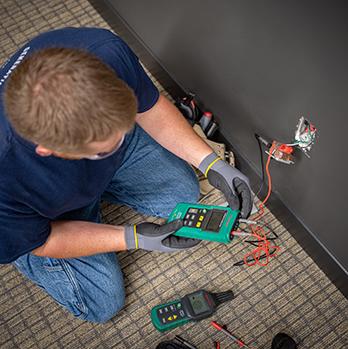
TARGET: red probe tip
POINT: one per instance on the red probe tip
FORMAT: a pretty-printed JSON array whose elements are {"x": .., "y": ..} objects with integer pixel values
[
  {"x": 216, "y": 325},
  {"x": 217, "y": 345}
]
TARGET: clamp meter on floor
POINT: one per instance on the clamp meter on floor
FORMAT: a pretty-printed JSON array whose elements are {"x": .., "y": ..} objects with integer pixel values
[
  {"x": 205, "y": 222},
  {"x": 192, "y": 307}
]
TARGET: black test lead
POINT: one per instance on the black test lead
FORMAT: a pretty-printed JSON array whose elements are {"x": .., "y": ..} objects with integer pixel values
[{"x": 187, "y": 344}]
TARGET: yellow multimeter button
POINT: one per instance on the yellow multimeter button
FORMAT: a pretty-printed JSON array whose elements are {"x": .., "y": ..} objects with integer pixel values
[
  {"x": 198, "y": 224},
  {"x": 170, "y": 318},
  {"x": 175, "y": 316},
  {"x": 201, "y": 218}
]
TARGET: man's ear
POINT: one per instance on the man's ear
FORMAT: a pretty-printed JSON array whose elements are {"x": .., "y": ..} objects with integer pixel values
[{"x": 42, "y": 151}]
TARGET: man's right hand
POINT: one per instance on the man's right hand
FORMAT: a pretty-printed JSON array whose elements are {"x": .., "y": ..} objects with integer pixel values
[{"x": 155, "y": 237}]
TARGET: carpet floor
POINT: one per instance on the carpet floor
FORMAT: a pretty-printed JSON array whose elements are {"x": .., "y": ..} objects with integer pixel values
[{"x": 291, "y": 294}]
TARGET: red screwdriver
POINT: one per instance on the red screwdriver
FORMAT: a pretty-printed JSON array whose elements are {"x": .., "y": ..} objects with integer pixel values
[{"x": 229, "y": 334}]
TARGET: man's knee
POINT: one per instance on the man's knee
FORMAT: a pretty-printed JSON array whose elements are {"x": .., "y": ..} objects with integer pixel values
[
  {"x": 104, "y": 296},
  {"x": 185, "y": 191},
  {"x": 104, "y": 310},
  {"x": 98, "y": 287},
  {"x": 190, "y": 191}
]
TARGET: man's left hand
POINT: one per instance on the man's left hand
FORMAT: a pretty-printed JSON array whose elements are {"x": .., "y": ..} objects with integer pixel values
[
  {"x": 156, "y": 237},
  {"x": 234, "y": 185}
]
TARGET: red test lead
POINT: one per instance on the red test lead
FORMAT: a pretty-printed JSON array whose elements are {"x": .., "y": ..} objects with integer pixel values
[{"x": 227, "y": 333}]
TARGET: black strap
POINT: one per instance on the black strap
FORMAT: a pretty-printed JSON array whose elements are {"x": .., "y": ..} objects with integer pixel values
[{"x": 170, "y": 345}]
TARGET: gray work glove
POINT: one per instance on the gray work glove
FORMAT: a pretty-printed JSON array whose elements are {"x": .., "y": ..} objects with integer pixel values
[
  {"x": 155, "y": 237},
  {"x": 234, "y": 185}
]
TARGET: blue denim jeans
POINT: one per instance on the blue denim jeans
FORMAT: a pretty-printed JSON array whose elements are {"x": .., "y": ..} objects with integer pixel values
[{"x": 152, "y": 181}]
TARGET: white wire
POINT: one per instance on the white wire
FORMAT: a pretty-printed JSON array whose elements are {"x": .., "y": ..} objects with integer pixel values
[
  {"x": 241, "y": 233},
  {"x": 247, "y": 221}
]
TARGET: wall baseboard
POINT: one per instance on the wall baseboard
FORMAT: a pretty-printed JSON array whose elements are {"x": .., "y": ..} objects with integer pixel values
[{"x": 307, "y": 240}]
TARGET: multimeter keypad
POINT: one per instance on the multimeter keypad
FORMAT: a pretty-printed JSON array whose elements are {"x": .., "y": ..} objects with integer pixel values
[
  {"x": 170, "y": 313},
  {"x": 194, "y": 217}
]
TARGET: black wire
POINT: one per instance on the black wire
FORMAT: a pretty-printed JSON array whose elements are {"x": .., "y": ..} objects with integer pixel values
[
  {"x": 250, "y": 258},
  {"x": 255, "y": 243},
  {"x": 262, "y": 166},
  {"x": 239, "y": 263},
  {"x": 263, "y": 225}
]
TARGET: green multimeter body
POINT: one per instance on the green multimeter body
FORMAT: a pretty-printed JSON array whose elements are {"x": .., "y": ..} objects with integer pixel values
[
  {"x": 205, "y": 222},
  {"x": 192, "y": 307},
  {"x": 168, "y": 316}
]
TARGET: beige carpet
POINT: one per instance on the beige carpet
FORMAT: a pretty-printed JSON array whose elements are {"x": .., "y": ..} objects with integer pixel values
[{"x": 290, "y": 295}]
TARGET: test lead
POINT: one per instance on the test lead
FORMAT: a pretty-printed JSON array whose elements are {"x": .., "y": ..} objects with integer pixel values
[{"x": 229, "y": 334}]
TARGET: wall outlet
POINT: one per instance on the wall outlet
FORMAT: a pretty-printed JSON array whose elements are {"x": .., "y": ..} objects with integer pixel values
[{"x": 305, "y": 135}]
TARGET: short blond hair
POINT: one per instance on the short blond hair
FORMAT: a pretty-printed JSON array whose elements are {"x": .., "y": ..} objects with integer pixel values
[{"x": 64, "y": 98}]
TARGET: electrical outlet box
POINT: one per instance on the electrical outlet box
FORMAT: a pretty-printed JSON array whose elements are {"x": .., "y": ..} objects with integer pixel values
[{"x": 305, "y": 135}]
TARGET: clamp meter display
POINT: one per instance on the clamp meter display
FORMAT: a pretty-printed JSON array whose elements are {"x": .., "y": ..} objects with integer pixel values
[
  {"x": 192, "y": 307},
  {"x": 205, "y": 222}
]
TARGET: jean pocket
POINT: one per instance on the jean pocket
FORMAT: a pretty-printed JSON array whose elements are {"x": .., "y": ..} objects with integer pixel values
[
  {"x": 52, "y": 265},
  {"x": 63, "y": 286}
]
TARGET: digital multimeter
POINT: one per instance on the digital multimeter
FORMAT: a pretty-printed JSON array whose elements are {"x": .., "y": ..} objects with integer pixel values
[
  {"x": 205, "y": 222},
  {"x": 192, "y": 307}
]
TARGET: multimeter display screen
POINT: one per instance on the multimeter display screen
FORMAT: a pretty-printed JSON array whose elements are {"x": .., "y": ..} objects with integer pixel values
[
  {"x": 198, "y": 303},
  {"x": 215, "y": 221}
]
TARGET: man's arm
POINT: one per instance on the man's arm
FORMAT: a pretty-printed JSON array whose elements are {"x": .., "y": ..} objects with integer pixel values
[
  {"x": 70, "y": 239},
  {"x": 168, "y": 127}
]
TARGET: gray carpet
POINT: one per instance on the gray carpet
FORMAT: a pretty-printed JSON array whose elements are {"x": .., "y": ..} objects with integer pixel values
[{"x": 291, "y": 294}]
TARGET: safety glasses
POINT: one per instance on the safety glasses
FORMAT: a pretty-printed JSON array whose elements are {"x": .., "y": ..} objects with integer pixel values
[{"x": 101, "y": 156}]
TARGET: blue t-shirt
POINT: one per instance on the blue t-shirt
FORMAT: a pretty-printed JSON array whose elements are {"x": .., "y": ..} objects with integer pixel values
[{"x": 35, "y": 190}]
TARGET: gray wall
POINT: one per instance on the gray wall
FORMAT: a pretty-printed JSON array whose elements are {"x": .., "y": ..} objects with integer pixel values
[{"x": 259, "y": 66}]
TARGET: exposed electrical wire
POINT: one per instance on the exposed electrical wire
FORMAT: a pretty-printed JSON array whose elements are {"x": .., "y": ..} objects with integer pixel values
[
  {"x": 292, "y": 144},
  {"x": 282, "y": 152},
  {"x": 265, "y": 248}
]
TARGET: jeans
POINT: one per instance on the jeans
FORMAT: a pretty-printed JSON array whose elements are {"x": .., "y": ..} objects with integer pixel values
[{"x": 152, "y": 181}]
